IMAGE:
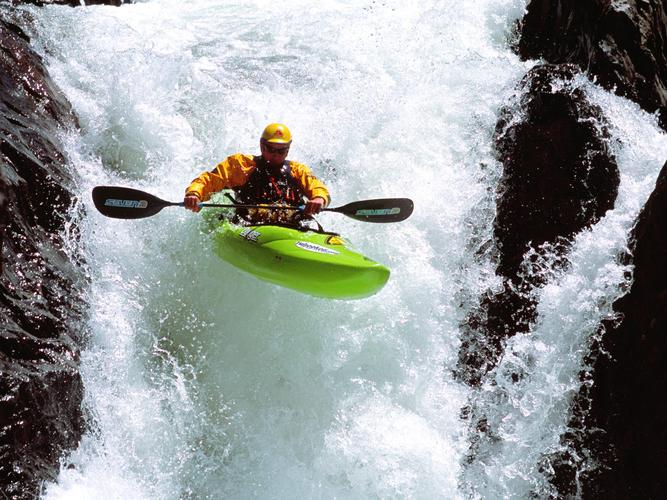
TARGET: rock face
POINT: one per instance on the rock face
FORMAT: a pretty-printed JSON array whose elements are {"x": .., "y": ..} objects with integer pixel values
[
  {"x": 558, "y": 173},
  {"x": 628, "y": 397},
  {"x": 617, "y": 442},
  {"x": 41, "y": 305},
  {"x": 40, "y": 300},
  {"x": 558, "y": 178},
  {"x": 623, "y": 44},
  {"x": 616, "y": 446}
]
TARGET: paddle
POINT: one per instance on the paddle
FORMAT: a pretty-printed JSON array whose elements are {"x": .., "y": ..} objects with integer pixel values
[{"x": 127, "y": 203}]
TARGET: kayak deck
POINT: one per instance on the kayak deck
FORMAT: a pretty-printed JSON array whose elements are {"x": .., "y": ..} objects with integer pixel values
[{"x": 316, "y": 263}]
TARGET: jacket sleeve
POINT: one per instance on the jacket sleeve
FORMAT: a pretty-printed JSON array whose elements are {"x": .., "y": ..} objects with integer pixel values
[
  {"x": 311, "y": 185},
  {"x": 231, "y": 172}
]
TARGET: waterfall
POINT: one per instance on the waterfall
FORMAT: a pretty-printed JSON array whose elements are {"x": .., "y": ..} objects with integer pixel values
[{"x": 203, "y": 382}]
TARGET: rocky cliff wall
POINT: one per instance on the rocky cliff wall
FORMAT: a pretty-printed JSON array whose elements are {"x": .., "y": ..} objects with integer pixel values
[
  {"x": 622, "y": 44},
  {"x": 559, "y": 177},
  {"x": 40, "y": 408},
  {"x": 616, "y": 446},
  {"x": 42, "y": 274}
]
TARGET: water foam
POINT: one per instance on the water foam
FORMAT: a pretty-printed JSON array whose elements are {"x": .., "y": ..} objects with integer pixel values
[{"x": 202, "y": 382}]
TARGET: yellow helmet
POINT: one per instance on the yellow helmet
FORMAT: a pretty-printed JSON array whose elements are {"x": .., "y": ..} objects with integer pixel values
[{"x": 277, "y": 133}]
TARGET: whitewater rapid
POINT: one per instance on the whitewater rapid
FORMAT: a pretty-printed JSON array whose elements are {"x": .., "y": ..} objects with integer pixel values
[{"x": 202, "y": 382}]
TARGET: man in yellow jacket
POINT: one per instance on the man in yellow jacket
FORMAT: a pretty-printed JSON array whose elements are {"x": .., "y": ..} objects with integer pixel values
[{"x": 267, "y": 179}]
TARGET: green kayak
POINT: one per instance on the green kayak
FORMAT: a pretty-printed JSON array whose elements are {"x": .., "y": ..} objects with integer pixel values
[{"x": 312, "y": 262}]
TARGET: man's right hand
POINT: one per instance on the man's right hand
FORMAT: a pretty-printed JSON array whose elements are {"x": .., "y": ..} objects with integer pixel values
[{"x": 192, "y": 202}]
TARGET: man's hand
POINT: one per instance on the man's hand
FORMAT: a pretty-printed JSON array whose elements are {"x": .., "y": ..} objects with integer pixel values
[
  {"x": 314, "y": 206},
  {"x": 192, "y": 202}
]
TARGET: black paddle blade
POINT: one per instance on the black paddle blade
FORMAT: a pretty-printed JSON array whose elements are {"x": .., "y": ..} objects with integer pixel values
[
  {"x": 380, "y": 210},
  {"x": 126, "y": 203}
]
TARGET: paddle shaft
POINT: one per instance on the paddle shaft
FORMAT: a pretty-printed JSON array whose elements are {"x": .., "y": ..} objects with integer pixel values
[
  {"x": 128, "y": 203},
  {"x": 239, "y": 205},
  {"x": 363, "y": 214},
  {"x": 243, "y": 205}
]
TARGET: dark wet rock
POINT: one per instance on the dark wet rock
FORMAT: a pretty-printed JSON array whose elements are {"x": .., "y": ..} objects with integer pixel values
[
  {"x": 559, "y": 177},
  {"x": 40, "y": 301},
  {"x": 616, "y": 444},
  {"x": 622, "y": 44},
  {"x": 617, "y": 441}
]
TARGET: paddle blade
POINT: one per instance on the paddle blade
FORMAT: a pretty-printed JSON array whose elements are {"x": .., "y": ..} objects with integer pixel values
[
  {"x": 126, "y": 203},
  {"x": 380, "y": 210}
]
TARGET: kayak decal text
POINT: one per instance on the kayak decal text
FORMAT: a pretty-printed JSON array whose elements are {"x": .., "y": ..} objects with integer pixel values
[
  {"x": 379, "y": 211},
  {"x": 250, "y": 234},
  {"x": 312, "y": 247},
  {"x": 112, "y": 202}
]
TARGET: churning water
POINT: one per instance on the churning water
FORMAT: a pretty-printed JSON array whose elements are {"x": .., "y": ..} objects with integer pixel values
[{"x": 202, "y": 382}]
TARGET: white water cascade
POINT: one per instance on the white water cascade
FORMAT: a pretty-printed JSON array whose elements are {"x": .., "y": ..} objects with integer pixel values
[{"x": 203, "y": 382}]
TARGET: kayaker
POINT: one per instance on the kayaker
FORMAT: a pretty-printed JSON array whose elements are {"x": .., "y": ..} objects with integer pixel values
[{"x": 266, "y": 179}]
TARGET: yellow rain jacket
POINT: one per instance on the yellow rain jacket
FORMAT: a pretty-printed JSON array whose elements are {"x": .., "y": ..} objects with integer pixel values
[{"x": 235, "y": 171}]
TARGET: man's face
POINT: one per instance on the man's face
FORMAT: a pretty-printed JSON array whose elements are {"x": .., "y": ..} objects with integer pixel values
[{"x": 274, "y": 153}]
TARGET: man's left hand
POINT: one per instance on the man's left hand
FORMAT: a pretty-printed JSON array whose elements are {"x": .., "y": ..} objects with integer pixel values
[{"x": 314, "y": 206}]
